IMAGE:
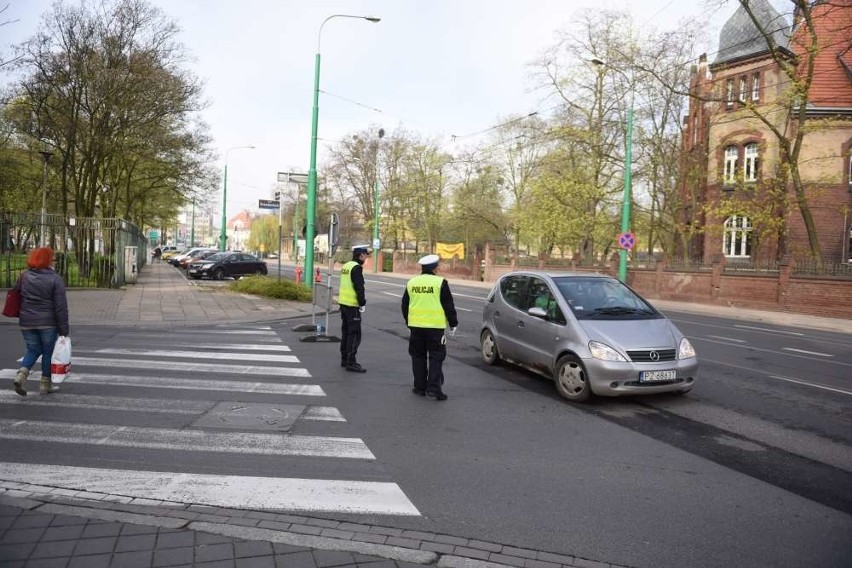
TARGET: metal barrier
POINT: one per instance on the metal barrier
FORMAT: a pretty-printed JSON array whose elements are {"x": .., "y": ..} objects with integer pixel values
[{"x": 90, "y": 252}]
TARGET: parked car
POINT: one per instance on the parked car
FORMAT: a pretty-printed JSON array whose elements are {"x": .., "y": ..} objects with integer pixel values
[
  {"x": 199, "y": 254},
  {"x": 167, "y": 254},
  {"x": 175, "y": 259},
  {"x": 224, "y": 264},
  {"x": 590, "y": 333}
]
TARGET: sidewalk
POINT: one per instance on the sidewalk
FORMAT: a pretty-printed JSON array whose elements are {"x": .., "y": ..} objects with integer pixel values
[{"x": 49, "y": 526}]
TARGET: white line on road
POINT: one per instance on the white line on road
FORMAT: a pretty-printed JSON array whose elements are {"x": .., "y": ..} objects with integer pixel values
[
  {"x": 199, "y": 355},
  {"x": 769, "y": 330},
  {"x": 111, "y": 403},
  {"x": 776, "y": 352},
  {"x": 198, "y": 334},
  {"x": 234, "y": 346},
  {"x": 324, "y": 413},
  {"x": 187, "y": 440},
  {"x": 184, "y": 366},
  {"x": 817, "y": 353},
  {"x": 798, "y": 382},
  {"x": 463, "y": 309},
  {"x": 232, "y": 491},
  {"x": 727, "y": 338},
  {"x": 186, "y": 384}
]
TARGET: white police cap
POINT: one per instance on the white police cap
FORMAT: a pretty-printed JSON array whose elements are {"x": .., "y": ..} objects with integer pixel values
[
  {"x": 429, "y": 259},
  {"x": 361, "y": 249}
]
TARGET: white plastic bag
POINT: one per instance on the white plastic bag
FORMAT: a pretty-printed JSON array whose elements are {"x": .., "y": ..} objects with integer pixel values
[{"x": 60, "y": 362}]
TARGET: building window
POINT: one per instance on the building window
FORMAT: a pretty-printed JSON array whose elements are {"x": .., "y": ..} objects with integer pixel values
[
  {"x": 755, "y": 87},
  {"x": 731, "y": 155},
  {"x": 751, "y": 162},
  {"x": 729, "y": 93},
  {"x": 737, "y": 237},
  {"x": 743, "y": 90}
]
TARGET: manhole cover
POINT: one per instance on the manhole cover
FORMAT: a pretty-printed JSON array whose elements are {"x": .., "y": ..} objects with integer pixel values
[{"x": 251, "y": 416}]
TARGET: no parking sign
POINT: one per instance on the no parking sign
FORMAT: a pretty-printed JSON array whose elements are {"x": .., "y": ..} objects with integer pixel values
[{"x": 626, "y": 241}]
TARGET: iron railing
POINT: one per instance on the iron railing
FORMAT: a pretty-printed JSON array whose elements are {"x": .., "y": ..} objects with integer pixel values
[{"x": 90, "y": 252}]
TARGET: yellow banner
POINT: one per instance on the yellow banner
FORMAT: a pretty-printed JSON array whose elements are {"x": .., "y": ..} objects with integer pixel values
[{"x": 449, "y": 250}]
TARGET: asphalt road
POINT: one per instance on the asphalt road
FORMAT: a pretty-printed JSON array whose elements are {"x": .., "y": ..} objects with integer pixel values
[{"x": 752, "y": 468}]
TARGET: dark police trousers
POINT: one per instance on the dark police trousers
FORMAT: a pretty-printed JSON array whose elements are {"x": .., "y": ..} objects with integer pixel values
[
  {"x": 350, "y": 334},
  {"x": 428, "y": 349}
]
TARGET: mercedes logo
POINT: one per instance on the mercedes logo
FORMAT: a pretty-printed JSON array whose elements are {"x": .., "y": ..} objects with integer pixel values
[{"x": 654, "y": 356}]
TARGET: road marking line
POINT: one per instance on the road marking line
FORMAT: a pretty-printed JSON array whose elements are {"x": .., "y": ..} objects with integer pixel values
[
  {"x": 769, "y": 330},
  {"x": 198, "y": 354},
  {"x": 773, "y": 351},
  {"x": 463, "y": 309},
  {"x": 798, "y": 382},
  {"x": 112, "y": 403},
  {"x": 185, "y": 366},
  {"x": 818, "y": 354},
  {"x": 198, "y": 334},
  {"x": 186, "y": 384},
  {"x": 324, "y": 413},
  {"x": 727, "y": 338},
  {"x": 229, "y": 491},
  {"x": 234, "y": 346},
  {"x": 187, "y": 440}
]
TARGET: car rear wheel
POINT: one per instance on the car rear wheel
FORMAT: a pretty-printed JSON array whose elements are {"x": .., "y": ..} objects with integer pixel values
[
  {"x": 219, "y": 274},
  {"x": 571, "y": 379},
  {"x": 489, "y": 348}
]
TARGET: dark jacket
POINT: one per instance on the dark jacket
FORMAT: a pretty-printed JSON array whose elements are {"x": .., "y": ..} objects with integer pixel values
[
  {"x": 43, "y": 300},
  {"x": 446, "y": 302}
]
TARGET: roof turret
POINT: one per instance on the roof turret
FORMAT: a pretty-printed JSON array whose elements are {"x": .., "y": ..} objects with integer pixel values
[{"x": 741, "y": 38}]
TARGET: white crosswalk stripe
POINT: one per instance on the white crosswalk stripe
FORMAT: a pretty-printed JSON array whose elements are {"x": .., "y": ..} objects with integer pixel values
[
  {"x": 198, "y": 355},
  {"x": 211, "y": 393}
]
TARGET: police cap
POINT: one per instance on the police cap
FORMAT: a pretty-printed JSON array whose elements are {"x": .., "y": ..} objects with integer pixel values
[
  {"x": 429, "y": 260},
  {"x": 361, "y": 249}
]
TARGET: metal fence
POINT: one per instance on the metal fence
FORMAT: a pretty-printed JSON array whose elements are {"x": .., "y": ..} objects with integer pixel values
[{"x": 90, "y": 252}]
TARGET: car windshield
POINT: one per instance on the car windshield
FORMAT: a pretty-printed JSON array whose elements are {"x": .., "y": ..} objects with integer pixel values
[
  {"x": 217, "y": 256},
  {"x": 603, "y": 298}
]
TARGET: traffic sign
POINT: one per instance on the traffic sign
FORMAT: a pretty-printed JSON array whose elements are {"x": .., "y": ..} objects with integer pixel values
[
  {"x": 626, "y": 241},
  {"x": 268, "y": 204}
]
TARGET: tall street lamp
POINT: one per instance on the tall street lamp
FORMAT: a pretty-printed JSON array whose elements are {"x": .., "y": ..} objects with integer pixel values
[
  {"x": 628, "y": 167},
  {"x": 46, "y": 156},
  {"x": 376, "y": 243},
  {"x": 310, "y": 229},
  {"x": 223, "y": 234}
]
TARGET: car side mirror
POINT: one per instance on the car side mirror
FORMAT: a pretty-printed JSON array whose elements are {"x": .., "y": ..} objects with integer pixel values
[{"x": 537, "y": 312}]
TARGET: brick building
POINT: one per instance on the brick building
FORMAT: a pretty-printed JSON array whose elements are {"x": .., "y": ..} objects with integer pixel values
[{"x": 736, "y": 196}]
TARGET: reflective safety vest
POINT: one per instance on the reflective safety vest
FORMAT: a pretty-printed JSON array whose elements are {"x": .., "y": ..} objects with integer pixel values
[
  {"x": 424, "y": 302},
  {"x": 347, "y": 296}
]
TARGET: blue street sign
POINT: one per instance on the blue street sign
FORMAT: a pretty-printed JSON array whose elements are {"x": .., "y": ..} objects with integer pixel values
[
  {"x": 626, "y": 241},
  {"x": 268, "y": 204}
]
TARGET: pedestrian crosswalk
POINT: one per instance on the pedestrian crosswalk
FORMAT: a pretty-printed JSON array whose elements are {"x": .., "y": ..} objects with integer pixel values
[{"x": 223, "y": 417}]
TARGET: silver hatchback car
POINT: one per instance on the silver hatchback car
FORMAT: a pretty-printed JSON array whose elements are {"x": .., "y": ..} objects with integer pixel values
[{"x": 589, "y": 332}]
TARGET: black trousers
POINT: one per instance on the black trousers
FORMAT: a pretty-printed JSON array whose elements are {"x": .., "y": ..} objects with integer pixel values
[
  {"x": 350, "y": 334},
  {"x": 428, "y": 349}
]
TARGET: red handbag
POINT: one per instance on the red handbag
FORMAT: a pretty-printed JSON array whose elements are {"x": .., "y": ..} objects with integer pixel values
[{"x": 12, "y": 307}]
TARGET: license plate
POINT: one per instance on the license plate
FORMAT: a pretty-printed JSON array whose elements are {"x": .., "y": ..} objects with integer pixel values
[{"x": 654, "y": 376}]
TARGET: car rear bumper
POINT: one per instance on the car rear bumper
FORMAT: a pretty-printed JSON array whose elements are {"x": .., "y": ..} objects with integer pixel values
[{"x": 611, "y": 378}]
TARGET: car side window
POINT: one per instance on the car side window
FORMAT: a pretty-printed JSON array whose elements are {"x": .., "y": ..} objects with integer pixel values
[
  {"x": 540, "y": 296},
  {"x": 512, "y": 289}
]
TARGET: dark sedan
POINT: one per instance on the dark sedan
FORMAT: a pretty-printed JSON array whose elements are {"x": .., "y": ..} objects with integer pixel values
[{"x": 222, "y": 264}]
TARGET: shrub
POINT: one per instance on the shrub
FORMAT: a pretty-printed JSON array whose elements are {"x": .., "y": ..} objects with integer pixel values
[{"x": 272, "y": 288}]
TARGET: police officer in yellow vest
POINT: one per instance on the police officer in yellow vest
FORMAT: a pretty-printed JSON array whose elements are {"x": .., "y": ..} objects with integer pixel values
[
  {"x": 427, "y": 306},
  {"x": 352, "y": 302}
]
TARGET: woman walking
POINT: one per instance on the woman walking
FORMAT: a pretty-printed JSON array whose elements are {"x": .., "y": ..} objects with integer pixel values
[{"x": 43, "y": 318}]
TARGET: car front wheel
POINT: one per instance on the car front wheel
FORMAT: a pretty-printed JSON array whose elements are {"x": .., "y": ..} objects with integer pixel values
[
  {"x": 219, "y": 274},
  {"x": 489, "y": 348},
  {"x": 571, "y": 379}
]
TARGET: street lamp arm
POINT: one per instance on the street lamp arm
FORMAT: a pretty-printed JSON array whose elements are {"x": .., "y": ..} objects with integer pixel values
[{"x": 372, "y": 19}]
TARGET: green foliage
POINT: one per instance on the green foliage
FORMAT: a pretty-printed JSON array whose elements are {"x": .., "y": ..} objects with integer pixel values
[
  {"x": 264, "y": 234},
  {"x": 269, "y": 287}
]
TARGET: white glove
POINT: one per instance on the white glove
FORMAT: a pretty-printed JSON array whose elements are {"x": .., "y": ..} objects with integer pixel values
[
  {"x": 362, "y": 309},
  {"x": 452, "y": 332}
]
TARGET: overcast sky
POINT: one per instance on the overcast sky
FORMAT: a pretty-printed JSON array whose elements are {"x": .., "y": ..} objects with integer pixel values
[{"x": 437, "y": 67}]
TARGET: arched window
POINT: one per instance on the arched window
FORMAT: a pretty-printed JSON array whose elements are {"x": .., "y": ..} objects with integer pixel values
[
  {"x": 751, "y": 162},
  {"x": 731, "y": 155},
  {"x": 737, "y": 237}
]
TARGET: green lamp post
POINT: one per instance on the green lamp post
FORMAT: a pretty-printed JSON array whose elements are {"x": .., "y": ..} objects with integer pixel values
[
  {"x": 627, "y": 196},
  {"x": 311, "y": 205},
  {"x": 223, "y": 233}
]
